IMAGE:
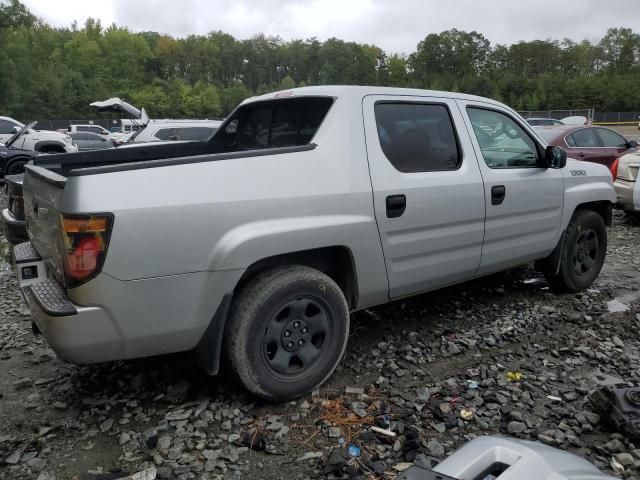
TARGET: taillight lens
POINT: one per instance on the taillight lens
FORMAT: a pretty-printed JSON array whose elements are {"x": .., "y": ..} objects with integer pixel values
[
  {"x": 614, "y": 168},
  {"x": 85, "y": 239}
]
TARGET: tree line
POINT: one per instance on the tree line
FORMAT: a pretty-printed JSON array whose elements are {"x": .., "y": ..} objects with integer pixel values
[{"x": 49, "y": 72}]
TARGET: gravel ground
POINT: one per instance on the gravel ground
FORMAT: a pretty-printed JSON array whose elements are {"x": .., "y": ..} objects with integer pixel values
[{"x": 501, "y": 355}]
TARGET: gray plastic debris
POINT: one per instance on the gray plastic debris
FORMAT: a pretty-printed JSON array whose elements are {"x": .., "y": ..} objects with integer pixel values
[{"x": 507, "y": 459}]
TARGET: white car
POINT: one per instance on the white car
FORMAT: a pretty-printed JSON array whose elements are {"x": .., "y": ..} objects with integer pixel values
[
  {"x": 97, "y": 129},
  {"x": 175, "y": 130},
  {"x": 626, "y": 173},
  {"x": 44, "y": 141}
]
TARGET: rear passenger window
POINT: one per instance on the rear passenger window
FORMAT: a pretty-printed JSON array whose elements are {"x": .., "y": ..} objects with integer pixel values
[
  {"x": 417, "y": 137},
  {"x": 274, "y": 123}
]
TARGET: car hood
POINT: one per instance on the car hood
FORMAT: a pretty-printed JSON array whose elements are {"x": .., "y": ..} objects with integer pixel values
[
  {"x": 117, "y": 105},
  {"x": 19, "y": 133}
]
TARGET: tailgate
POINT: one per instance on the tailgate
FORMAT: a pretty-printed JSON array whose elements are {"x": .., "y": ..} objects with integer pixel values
[{"x": 42, "y": 190}]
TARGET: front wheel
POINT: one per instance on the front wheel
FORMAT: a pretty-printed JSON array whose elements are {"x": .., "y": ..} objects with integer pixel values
[
  {"x": 16, "y": 167},
  {"x": 287, "y": 331},
  {"x": 583, "y": 253}
]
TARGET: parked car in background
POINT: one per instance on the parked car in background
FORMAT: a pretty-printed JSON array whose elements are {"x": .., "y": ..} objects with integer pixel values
[
  {"x": 45, "y": 141},
  {"x": 589, "y": 143},
  {"x": 13, "y": 159},
  {"x": 126, "y": 127},
  {"x": 307, "y": 204},
  {"x": 626, "y": 182},
  {"x": 91, "y": 141},
  {"x": 542, "y": 121},
  {"x": 175, "y": 130},
  {"x": 97, "y": 129}
]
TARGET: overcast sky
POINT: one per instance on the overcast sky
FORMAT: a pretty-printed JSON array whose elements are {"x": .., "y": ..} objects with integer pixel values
[{"x": 394, "y": 25}]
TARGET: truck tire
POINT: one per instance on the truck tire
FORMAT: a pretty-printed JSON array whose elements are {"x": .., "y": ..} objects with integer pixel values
[
  {"x": 287, "y": 331},
  {"x": 583, "y": 253}
]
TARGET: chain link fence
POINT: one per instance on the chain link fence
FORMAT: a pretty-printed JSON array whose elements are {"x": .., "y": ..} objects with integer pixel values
[
  {"x": 594, "y": 117},
  {"x": 589, "y": 113}
]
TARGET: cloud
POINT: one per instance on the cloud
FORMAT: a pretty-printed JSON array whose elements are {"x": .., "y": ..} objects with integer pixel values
[{"x": 395, "y": 26}]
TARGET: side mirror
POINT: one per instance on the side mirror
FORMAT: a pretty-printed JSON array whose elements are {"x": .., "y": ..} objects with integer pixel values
[
  {"x": 632, "y": 144},
  {"x": 15, "y": 129},
  {"x": 555, "y": 157}
]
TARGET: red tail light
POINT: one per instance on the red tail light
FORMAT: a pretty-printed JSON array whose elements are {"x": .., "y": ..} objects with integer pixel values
[
  {"x": 614, "y": 168},
  {"x": 85, "y": 239}
]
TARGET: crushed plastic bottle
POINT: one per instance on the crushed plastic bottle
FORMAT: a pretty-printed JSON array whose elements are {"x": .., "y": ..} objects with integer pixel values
[
  {"x": 354, "y": 450},
  {"x": 514, "y": 376}
]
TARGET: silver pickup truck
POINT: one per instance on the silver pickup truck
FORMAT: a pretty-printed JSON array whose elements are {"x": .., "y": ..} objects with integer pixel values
[{"x": 315, "y": 202}]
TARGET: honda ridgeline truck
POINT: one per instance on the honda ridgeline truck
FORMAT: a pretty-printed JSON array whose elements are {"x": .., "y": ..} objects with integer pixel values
[{"x": 308, "y": 204}]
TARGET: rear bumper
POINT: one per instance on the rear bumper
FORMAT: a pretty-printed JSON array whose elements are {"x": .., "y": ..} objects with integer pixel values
[
  {"x": 624, "y": 193},
  {"x": 15, "y": 230},
  {"x": 108, "y": 319},
  {"x": 77, "y": 334}
]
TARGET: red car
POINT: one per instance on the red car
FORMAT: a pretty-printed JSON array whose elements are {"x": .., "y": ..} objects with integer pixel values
[{"x": 589, "y": 143}]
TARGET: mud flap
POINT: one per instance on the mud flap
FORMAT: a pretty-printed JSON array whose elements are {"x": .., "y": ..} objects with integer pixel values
[
  {"x": 209, "y": 348},
  {"x": 551, "y": 264}
]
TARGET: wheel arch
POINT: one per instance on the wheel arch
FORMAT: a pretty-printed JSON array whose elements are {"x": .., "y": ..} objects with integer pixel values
[
  {"x": 11, "y": 161},
  {"x": 49, "y": 145},
  {"x": 335, "y": 261}
]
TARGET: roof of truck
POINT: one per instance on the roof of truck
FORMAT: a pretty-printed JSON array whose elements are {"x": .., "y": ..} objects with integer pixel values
[{"x": 360, "y": 91}]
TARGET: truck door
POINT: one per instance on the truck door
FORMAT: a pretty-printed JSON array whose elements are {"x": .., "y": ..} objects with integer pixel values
[
  {"x": 524, "y": 200},
  {"x": 427, "y": 191}
]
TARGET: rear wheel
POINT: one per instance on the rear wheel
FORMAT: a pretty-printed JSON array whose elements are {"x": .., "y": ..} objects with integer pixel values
[
  {"x": 583, "y": 253},
  {"x": 287, "y": 332},
  {"x": 16, "y": 166}
]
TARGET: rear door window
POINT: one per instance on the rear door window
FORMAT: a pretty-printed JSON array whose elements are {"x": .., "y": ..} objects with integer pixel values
[
  {"x": 274, "y": 123},
  {"x": 417, "y": 137}
]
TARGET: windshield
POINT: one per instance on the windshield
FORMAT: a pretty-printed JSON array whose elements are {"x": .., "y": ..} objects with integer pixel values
[
  {"x": 547, "y": 135},
  {"x": 19, "y": 133}
]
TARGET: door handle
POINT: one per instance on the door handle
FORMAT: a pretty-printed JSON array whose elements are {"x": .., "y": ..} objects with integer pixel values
[
  {"x": 498, "y": 192},
  {"x": 396, "y": 204},
  {"x": 581, "y": 154}
]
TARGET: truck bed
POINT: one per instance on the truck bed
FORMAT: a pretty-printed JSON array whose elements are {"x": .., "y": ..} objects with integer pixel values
[{"x": 65, "y": 162}]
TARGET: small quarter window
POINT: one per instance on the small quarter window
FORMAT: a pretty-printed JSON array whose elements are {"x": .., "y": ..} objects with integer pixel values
[{"x": 417, "y": 137}]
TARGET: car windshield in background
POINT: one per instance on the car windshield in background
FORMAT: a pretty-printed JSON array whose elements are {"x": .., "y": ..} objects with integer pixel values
[
  {"x": 274, "y": 123},
  {"x": 184, "y": 133},
  {"x": 547, "y": 135}
]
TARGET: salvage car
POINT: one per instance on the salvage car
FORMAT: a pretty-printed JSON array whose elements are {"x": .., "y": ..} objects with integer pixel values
[
  {"x": 12, "y": 158},
  {"x": 44, "y": 141},
  {"x": 91, "y": 141},
  {"x": 592, "y": 144},
  {"x": 305, "y": 205},
  {"x": 626, "y": 183}
]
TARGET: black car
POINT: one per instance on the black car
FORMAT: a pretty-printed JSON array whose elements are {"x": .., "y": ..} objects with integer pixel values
[
  {"x": 15, "y": 228},
  {"x": 13, "y": 160}
]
